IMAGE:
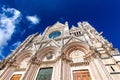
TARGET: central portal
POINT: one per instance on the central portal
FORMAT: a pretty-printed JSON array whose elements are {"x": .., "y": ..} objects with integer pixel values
[{"x": 81, "y": 75}]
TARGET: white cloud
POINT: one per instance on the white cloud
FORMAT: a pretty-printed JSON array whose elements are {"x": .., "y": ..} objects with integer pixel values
[
  {"x": 7, "y": 25},
  {"x": 33, "y": 19}
]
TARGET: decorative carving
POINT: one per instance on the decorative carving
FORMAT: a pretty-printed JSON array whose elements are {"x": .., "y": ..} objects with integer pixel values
[
  {"x": 49, "y": 56},
  {"x": 34, "y": 58}
]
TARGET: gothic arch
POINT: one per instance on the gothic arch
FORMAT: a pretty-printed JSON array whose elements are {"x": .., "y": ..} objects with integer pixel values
[
  {"x": 67, "y": 49},
  {"x": 22, "y": 55},
  {"x": 44, "y": 51}
]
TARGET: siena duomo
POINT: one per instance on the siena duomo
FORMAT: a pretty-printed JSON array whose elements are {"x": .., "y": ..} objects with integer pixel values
[{"x": 60, "y": 53}]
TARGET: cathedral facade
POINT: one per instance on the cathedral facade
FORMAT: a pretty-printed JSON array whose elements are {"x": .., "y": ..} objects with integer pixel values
[{"x": 60, "y": 53}]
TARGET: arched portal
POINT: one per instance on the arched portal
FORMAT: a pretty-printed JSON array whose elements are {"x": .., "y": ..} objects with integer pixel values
[
  {"x": 75, "y": 48},
  {"x": 79, "y": 67}
]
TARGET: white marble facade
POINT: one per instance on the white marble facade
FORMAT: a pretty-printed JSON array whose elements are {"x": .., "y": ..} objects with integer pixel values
[{"x": 68, "y": 52}]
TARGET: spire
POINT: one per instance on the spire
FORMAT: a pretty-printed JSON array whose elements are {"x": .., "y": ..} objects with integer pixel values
[
  {"x": 79, "y": 24},
  {"x": 66, "y": 23},
  {"x": 73, "y": 27}
]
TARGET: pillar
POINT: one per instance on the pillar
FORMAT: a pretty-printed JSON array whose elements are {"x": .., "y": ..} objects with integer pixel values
[
  {"x": 31, "y": 72},
  {"x": 65, "y": 70},
  {"x": 7, "y": 74},
  {"x": 103, "y": 73}
]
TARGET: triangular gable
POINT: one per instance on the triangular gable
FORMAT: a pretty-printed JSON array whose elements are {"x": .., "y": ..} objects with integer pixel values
[
  {"x": 50, "y": 43},
  {"x": 57, "y": 25},
  {"x": 73, "y": 28},
  {"x": 74, "y": 39}
]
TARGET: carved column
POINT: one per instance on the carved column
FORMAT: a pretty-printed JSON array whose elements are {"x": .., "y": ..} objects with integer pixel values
[
  {"x": 95, "y": 71},
  {"x": 101, "y": 69},
  {"x": 31, "y": 72},
  {"x": 7, "y": 74},
  {"x": 56, "y": 74},
  {"x": 105, "y": 70},
  {"x": 66, "y": 69}
]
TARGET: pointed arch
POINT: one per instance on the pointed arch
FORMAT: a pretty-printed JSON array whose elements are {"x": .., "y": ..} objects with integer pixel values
[
  {"x": 22, "y": 55},
  {"x": 67, "y": 49},
  {"x": 50, "y": 49}
]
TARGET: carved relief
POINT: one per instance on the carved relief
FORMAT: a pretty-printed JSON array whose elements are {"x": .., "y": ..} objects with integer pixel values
[{"x": 77, "y": 56}]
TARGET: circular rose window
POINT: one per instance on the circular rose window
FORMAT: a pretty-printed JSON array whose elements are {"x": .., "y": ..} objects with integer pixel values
[{"x": 54, "y": 34}]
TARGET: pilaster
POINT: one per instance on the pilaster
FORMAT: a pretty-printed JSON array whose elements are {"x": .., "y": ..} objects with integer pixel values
[
  {"x": 7, "y": 74},
  {"x": 31, "y": 72}
]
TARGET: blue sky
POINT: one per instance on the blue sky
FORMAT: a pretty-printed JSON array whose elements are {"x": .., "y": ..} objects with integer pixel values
[{"x": 20, "y": 18}]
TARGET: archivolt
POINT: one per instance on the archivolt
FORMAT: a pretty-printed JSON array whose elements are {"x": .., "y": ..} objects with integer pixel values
[
  {"x": 23, "y": 55},
  {"x": 67, "y": 49},
  {"x": 44, "y": 51}
]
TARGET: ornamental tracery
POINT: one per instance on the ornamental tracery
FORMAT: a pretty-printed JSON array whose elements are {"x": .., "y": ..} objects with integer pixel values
[
  {"x": 76, "y": 52},
  {"x": 77, "y": 56},
  {"x": 49, "y": 53}
]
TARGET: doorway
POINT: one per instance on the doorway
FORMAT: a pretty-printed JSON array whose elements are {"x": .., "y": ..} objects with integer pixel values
[
  {"x": 81, "y": 75},
  {"x": 16, "y": 77}
]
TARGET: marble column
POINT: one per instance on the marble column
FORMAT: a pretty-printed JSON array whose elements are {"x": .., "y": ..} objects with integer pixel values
[
  {"x": 7, "y": 74},
  {"x": 56, "y": 75},
  {"x": 101, "y": 69},
  {"x": 95, "y": 71},
  {"x": 66, "y": 71},
  {"x": 31, "y": 72},
  {"x": 105, "y": 70}
]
